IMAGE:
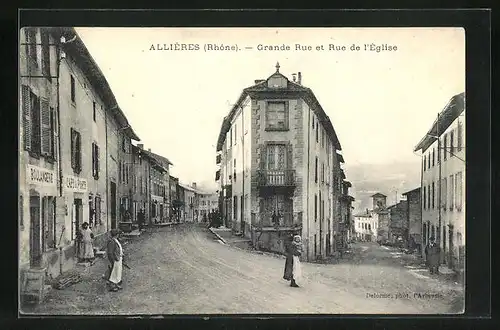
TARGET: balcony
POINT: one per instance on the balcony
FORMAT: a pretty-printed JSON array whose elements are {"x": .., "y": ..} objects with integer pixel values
[{"x": 276, "y": 178}]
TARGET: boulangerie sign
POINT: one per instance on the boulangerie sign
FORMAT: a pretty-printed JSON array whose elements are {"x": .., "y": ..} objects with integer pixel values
[{"x": 40, "y": 176}]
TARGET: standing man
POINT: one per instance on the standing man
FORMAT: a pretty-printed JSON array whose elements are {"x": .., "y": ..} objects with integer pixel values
[
  {"x": 115, "y": 257},
  {"x": 141, "y": 217},
  {"x": 432, "y": 255}
]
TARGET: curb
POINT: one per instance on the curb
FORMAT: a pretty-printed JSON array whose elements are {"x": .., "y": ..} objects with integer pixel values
[{"x": 218, "y": 236}]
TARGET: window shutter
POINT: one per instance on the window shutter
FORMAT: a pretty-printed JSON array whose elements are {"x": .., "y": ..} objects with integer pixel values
[
  {"x": 93, "y": 160},
  {"x": 25, "y": 93},
  {"x": 287, "y": 114},
  {"x": 73, "y": 148},
  {"x": 289, "y": 154},
  {"x": 45, "y": 126},
  {"x": 78, "y": 152},
  {"x": 263, "y": 156},
  {"x": 97, "y": 161},
  {"x": 35, "y": 122}
]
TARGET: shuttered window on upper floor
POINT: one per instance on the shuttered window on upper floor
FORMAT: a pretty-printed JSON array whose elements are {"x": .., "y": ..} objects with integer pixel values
[
  {"x": 38, "y": 124},
  {"x": 95, "y": 161},
  {"x": 76, "y": 151}
]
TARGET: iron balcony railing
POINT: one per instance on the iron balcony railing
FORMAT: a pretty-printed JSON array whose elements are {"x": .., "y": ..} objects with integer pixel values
[
  {"x": 275, "y": 178},
  {"x": 284, "y": 219}
]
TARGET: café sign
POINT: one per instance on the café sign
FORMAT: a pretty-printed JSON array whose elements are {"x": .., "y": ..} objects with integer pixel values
[
  {"x": 75, "y": 184},
  {"x": 40, "y": 176}
]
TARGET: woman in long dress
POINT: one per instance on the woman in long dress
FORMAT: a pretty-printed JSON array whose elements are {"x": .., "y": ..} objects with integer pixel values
[
  {"x": 86, "y": 245},
  {"x": 293, "y": 270},
  {"x": 115, "y": 257}
]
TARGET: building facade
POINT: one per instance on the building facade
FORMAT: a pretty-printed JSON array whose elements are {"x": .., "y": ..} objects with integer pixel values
[
  {"x": 209, "y": 202},
  {"x": 414, "y": 218},
  {"x": 188, "y": 208},
  {"x": 398, "y": 226},
  {"x": 176, "y": 201},
  {"x": 443, "y": 181},
  {"x": 66, "y": 106},
  {"x": 365, "y": 226},
  {"x": 280, "y": 170}
]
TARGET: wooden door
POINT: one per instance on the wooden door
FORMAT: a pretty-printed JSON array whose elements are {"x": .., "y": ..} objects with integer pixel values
[{"x": 35, "y": 237}]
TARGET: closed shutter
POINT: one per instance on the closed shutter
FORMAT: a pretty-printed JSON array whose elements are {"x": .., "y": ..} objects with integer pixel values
[
  {"x": 25, "y": 93},
  {"x": 79, "y": 152},
  {"x": 45, "y": 127},
  {"x": 97, "y": 161},
  {"x": 73, "y": 150},
  {"x": 263, "y": 156},
  {"x": 93, "y": 160},
  {"x": 287, "y": 115},
  {"x": 35, "y": 123}
]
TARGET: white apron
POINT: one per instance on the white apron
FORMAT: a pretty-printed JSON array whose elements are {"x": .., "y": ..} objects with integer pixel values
[
  {"x": 116, "y": 272},
  {"x": 297, "y": 269}
]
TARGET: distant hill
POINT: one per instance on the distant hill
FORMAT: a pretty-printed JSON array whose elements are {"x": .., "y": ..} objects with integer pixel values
[{"x": 368, "y": 179}]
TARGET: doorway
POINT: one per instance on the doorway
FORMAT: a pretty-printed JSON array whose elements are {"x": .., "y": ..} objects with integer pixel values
[
  {"x": 77, "y": 221},
  {"x": 35, "y": 239},
  {"x": 451, "y": 247},
  {"x": 113, "y": 205},
  {"x": 242, "y": 215}
]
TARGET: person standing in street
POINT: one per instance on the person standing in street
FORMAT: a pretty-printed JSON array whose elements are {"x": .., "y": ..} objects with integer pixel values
[
  {"x": 432, "y": 255},
  {"x": 293, "y": 270},
  {"x": 86, "y": 247},
  {"x": 141, "y": 218},
  {"x": 115, "y": 257}
]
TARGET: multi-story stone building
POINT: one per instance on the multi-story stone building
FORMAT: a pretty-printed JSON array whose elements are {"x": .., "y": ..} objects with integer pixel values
[
  {"x": 67, "y": 107},
  {"x": 365, "y": 226},
  {"x": 414, "y": 218},
  {"x": 209, "y": 202},
  {"x": 189, "y": 194},
  {"x": 443, "y": 181},
  {"x": 343, "y": 227},
  {"x": 279, "y": 167},
  {"x": 398, "y": 226},
  {"x": 141, "y": 196},
  {"x": 176, "y": 202}
]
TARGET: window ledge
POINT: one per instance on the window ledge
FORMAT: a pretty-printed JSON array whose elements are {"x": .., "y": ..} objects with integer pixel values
[{"x": 271, "y": 129}]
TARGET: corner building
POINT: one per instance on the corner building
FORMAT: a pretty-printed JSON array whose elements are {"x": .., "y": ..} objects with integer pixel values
[{"x": 280, "y": 167}]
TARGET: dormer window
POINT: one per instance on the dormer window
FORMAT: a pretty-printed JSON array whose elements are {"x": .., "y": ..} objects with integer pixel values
[{"x": 277, "y": 82}]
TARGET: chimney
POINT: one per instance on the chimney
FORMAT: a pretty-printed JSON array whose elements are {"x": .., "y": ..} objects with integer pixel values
[
  {"x": 193, "y": 185},
  {"x": 140, "y": 146},
  {"x": 149, "y": 149},
  {"x": 258, "y": 81},
  {"x": 299, "y": 80},
  {"x": 294, "y": 77}
]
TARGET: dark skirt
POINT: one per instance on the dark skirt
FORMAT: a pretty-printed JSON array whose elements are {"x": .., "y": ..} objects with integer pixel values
[{"x": 288, "y": 273}]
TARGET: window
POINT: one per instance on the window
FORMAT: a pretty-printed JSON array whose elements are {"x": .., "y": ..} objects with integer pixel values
[
  {"x": 428, "y": 197},
  {"x": 433, "y": 195},
  {"x": 459, "y": 136},
  {"x": 452, "y": 192},
  {"x": 445, "y": 193},
  {"x": 445, "y": 146},
  {"x": 230, "y": 137},
  {"x": 423, "y": 162},
  {"x": 276, "y": 157},
  {"x": 452, "y": 142},
  {"x": 235, "y": 135},
  {"x": 73, "y": 91},
  {"x": 315, "y": 208},
  {"x": 21, "y": 212},
  {"x": 235, "y": 208},
  {"x": 312, "y": 121},
  {"x": 433, "y": 156},
  {"x": 316, "y": 170},
  {"x": 234, "y": 170},
  {"x": 94, "y": 111},
  {"x": 95, "y": 161},
  {"x": 124, "y": 144},
  {"x": 45, "y": 54},
  {"x": 459, "y": 191},
  {"x": 31, "y": 46},
  {"x": 429, "y": 160},
  {"x": 76, "y": 151},
  {"x": 277, "y": 116},
  {"x": 317, "y": 131}
]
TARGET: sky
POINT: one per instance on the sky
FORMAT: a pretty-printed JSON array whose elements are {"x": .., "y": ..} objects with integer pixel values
[{"x": 380, "y": 103}]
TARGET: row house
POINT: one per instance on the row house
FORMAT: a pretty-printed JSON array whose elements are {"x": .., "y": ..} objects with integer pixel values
[
  {"x": 209, "y": 203},
  {"x": 373, "y": 225},
  {"x": 280, "y": 173},
  {"x": 414, "y": 218},
  {"x": 344, "y": 226},
  {"x": 159, "y": 178},
  {"x": 443, "y": 181},
  {"x": 176, "y": 200},
  {"x": 365, "y": 226},
  {"x": 398, "y": 226},
  {"x": 68, "y": 113},
  {"x": 188, "y": 195}
]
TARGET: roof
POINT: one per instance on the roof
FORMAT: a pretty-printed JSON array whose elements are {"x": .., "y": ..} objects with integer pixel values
[
  {"x": 378, "y": 195},
  {"x": 160, "y": 160},
  {"x": 454, "y": 107},
  {"x": 340, "y": 158},
  {"x": 186, "y": 187},
  {"x": 292, "y": 88},
  {"x": 411, "y": 191},
  {"x": 87, "y": 64},
  {"x": 347, "y": 183}
]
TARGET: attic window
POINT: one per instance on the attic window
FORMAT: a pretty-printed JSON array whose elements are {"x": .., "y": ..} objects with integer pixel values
[
  {"x": 277, "y": 115},
  {"x": 277, "y": 82}
]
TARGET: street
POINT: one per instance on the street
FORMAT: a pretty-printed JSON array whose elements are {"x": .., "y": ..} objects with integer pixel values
[{"x": 184, "y": 270}]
